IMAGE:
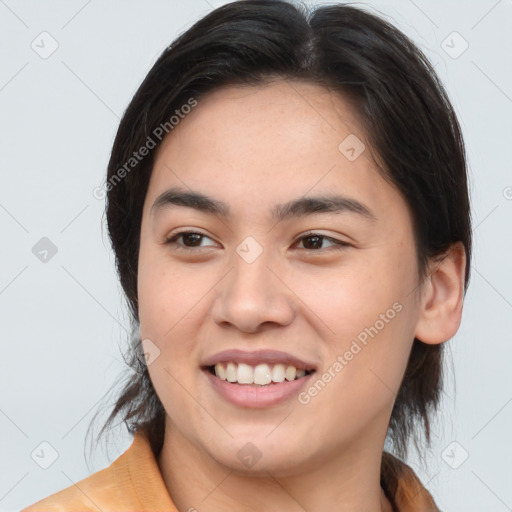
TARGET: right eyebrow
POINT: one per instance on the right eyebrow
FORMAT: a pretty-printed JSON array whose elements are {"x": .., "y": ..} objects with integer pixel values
[{"x": 177, "y": 196}]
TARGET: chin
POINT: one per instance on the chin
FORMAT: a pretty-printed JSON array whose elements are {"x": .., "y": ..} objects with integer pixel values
[{"x": 258, "y": 456}]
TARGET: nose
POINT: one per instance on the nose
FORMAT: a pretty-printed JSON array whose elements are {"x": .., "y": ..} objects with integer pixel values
[{"x": 253, "y": 296}]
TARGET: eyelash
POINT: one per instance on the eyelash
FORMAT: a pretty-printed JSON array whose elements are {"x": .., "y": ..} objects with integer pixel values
[{"x": 172, "y": 240}]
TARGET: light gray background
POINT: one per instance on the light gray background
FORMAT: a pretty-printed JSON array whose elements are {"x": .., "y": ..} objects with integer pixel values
[{"x": 62, "y": 321}]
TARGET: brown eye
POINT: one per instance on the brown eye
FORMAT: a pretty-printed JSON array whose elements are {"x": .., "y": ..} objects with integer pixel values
[
  {"x": 191, "y": 239},
  {"x": 314, "y": 242}
]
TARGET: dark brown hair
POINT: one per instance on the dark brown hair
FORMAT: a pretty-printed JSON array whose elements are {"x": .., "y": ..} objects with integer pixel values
[{"x": 410, "y": 125}]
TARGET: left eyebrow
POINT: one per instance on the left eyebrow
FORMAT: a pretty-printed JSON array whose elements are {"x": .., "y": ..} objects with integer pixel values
[
  {"x": 294, "y": 208},
  {"x": 321, "y": 204}
]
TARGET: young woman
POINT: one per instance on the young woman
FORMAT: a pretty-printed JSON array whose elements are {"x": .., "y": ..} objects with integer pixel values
[{"x": 288, "y": 207}]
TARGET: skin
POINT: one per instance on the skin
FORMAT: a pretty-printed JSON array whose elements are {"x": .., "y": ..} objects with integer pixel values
[{"x": 254, "y": 147}]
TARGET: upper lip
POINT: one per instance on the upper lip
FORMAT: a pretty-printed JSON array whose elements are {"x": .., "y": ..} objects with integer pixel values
[{"x": 256, "y": 357}]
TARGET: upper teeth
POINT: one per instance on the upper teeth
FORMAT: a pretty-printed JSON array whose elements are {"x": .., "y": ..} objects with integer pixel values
[{"x": 261, "y": 374}]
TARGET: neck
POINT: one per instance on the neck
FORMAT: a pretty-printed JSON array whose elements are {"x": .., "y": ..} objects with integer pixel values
[{"x": 341, "y": 483}]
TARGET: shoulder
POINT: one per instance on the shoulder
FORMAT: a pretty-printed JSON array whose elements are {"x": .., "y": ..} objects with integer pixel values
[
  {"x": 132, "y": 483},
  {"x": 105, "y": 490},
  {"x": 90, "y": 494}
]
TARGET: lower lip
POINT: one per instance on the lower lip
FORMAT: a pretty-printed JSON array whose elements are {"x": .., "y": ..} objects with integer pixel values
[{"x": 255, "y": 396}]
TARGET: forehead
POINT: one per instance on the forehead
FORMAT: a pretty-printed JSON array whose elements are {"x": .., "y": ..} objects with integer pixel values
[
  {"x": 270, "y": 142},
  {"x": 295, "y": 109}
]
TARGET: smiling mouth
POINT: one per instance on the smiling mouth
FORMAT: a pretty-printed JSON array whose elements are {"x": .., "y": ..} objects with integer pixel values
[{"x": 259, "y": 375}]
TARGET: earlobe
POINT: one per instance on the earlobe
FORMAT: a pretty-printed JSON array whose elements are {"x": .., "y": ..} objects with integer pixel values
[{"x": 442, "y": 297}]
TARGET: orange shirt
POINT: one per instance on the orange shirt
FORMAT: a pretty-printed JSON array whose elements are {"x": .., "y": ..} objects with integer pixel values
[{"x": 133, "y": 483}]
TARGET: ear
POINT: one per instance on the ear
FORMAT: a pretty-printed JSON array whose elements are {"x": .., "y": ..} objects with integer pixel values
[{"x": 442, "y": 297}]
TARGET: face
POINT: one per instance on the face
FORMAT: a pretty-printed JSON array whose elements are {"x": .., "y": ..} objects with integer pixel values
[{"x": 272, "y": 251}]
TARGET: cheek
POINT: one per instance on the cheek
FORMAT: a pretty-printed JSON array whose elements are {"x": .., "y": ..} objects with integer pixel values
[
  {"x": 369, "y": 312},
  {"x": 173, "y": 304},
  {"x": 351, "y": 298},
  {"x": 170, "y": 303},
  {"x": 166, "y": 293},
  {"x": 364, "y": 367}
]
